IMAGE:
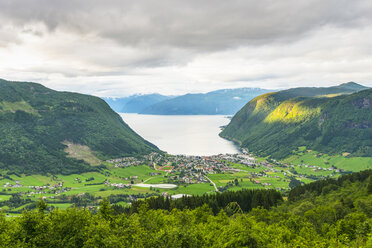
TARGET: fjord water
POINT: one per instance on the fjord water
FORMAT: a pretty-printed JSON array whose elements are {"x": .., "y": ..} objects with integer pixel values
[{"x": 183, "y": 134}]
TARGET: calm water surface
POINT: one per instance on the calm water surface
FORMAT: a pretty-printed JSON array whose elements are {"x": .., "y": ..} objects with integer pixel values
[{"x": 183, "y": 134}]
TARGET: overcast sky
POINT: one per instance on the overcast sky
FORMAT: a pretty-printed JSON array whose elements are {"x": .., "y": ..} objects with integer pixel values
[{"x": 116, "y": 48}]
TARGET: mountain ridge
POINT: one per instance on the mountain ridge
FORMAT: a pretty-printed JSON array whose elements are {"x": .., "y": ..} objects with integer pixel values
[
  {"x": 135, "y": 103},
  {"x": 223, "y": 102}
]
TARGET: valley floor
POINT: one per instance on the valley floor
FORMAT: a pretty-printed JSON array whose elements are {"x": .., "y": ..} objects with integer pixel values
[{"x": 126, "y": 179}]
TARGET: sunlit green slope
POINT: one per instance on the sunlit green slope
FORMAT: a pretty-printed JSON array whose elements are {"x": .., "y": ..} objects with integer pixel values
[{"x": 329, "y": 120}]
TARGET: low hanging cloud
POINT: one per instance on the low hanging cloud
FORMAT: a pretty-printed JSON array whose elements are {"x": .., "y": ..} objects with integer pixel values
[{"x": 122, "y": 47}]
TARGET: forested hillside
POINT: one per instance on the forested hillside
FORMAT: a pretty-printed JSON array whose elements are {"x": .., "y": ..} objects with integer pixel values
[
  {"x": 37, "y": 124},
  {"x": 323, "y": 214},
  {"x": 332, "y": 120}
]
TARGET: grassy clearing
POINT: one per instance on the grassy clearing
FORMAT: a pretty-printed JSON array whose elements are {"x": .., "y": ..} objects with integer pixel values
[
  {"x": 276, "y": 174},
  {"x": 22, "y": 207},
  {"x": 246, "y": 185},
  {"x": 325, "y": 161},
  {"x": 14, "y": 106},
  {"x": 141, "y": 171},
  {"x": 4, "y": 197},
  {"x": 275, "y": 182},
  {"x": 222, "y": 179},
  {"x": 155, "y": 180},
  {"x": 81, "y": 152},
  {"x": 93, "y": 189},
  {"x": 113, "y": 191},
  {"x": 191, "y": 189},
  {"x": 35, "y": 180},
  {"x": 124, "y": 204},
  {"x": 305, "y": 180},
  {"x": 60, "y": 205},
  {"x": 4, "y": 181},
  {"x": 311, "y": 171},
  {"x": 276, "y": 179},
  {"x": 72, "y": 180},
  {"x": 245, "y": 167}
]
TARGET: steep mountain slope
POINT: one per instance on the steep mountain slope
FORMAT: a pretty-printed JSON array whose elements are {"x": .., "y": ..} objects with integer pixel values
[
  {"x": 37, "y": 124},
  {"x": 140, "y": 102},
  {"x": 117, "y": 103},
  {"x": 329, "y": 120},
  {"x": 227, "y": 101}
]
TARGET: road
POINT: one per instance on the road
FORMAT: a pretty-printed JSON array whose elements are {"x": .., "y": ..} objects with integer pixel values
[{"x": 214, "y": 185}]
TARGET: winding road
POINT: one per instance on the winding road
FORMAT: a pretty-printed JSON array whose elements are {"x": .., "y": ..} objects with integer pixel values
[{"x": 214, "y": 185}]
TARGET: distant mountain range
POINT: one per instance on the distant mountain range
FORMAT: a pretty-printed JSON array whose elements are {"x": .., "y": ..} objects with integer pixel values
[
  {"x": 134, "y": 103},
  {"x": 332, "y": 120},
  {"x": 224, "y": 102},
  {"x": 45, "y": 131}
]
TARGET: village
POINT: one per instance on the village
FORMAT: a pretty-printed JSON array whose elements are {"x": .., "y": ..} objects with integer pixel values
[
  {"x": 156, "y": 170},
  {"x": 188, "y": 169},
  {"x": 195, "y": 169}
]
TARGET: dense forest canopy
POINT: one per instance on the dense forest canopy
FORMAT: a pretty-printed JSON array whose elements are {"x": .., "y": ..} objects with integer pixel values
[{"x": 244, "y": 200}]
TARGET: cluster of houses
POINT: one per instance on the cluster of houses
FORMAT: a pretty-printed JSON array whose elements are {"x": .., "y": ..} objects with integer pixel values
[
  {"x": 55, "y": 189},
  {"x": 317, "y": 168},
  {"x": 50, "y": 187},
  {"x": 126, "y": 162},
  {"x": 16, "y": 185},
  {"x": 188, "y": 169},
  {"x": 36, "y": 190}
]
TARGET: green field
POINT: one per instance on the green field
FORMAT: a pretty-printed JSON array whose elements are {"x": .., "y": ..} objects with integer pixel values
[
  {"x": 245, "y": 168},
  {"x": 325, "y": 161},
  {"x": 141, "y": 171},
  {"x": 4, "y": 197},
  {"x": 192, "y": 189},
  {"x": 60, "y": 205},
  {"x": 247, "y": 181},
  {"x": 156, "y": 179},
  {"x": 312, "y": 171},
  {"x": 78, "y": 184}
]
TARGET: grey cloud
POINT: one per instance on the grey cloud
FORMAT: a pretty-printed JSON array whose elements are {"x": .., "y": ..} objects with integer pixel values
[
  {"x": 193, "y": 24},
  {"x": 118, "y": 47},
  {"x": 8, "y": 36}
]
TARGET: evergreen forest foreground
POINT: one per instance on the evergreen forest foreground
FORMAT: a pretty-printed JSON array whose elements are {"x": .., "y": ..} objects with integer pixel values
[{"x": 326, "y": 213}]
